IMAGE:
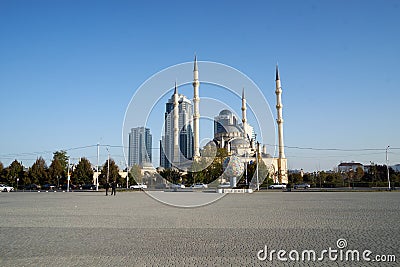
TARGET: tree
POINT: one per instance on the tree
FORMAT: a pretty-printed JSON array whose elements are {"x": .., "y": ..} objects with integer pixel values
[
  {"x": 58, "y": 167},
  {"x": 359, "y": 173},
  {"x": 172, "y": 176},
  {"x": 295, "y": 178},
  {"x": 208, "y": 167},
  {"x": 263, "y": 172},
  {"x": 83, "y": 172},
  {"x": 38, "y": 172},
  {"x": 62, "y": 157},
  {"x": 113, "y": 173},
  {"x": 14, "y": 171},
  {"x": 1, "y": 171},
  {"x": 56, "y": 172},
  {"x": 135, "y": 175}
]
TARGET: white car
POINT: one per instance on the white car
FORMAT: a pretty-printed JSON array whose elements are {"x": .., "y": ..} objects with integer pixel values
[
  {"x": 305, "y": 186},
  {"x": 277, "y": 186},
  {"x": 138, "y": 186},
  {"x": 224, "y": 185},
  {"x": 199, "y": 186},
  {"x": 5, "y": 188}
]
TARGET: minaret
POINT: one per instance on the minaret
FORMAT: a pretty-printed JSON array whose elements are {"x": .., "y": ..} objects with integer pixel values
[
  {"x": 196, "y": 114},
  {"x": 279, "y": 120},
  {"x": 244, "y": 118},
  {"x": 282, "y": 162},
  {"x": 176, "y": 125}
]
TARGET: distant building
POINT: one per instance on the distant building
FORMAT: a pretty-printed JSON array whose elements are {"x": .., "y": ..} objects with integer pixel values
[
  {"x": 140, "y": 146},
  {"x": 177, "y": 149},
  {"x": 396, "y": 167},
  {"x": 347, "y": 166}
]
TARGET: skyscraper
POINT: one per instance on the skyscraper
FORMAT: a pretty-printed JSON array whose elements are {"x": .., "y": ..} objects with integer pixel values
[
  {"x": 140, "y": 146},
  {"x": 177, "y": 141}
]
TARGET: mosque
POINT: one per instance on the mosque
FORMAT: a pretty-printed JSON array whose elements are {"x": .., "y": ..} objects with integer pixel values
[{"x": 237, "y": 138}]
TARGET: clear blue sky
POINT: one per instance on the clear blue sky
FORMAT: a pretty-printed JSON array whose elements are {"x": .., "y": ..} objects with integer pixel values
[{"x": 69, "y": 68}]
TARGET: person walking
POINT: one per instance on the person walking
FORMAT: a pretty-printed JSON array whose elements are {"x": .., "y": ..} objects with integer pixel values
[
  {"x": 106, "y": 186},
  {"x": 113, "y": 187}
]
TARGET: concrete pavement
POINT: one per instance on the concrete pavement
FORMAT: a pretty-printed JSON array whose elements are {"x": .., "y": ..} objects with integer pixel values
[{"x": 132, "y": 229}]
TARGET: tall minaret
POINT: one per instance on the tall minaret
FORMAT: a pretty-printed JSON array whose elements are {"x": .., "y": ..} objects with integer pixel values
[
  {"x": 196, "y": 114},
  {"x": 244, "y": 117},
  {"x": 279, "y": 119},
  {"x": 176, "y": 125}
]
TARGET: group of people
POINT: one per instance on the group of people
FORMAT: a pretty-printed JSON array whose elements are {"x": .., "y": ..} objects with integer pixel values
[{"x": 113, "y": 186}]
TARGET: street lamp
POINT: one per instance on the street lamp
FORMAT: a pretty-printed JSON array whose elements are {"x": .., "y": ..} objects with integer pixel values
[
  {"x": 68, "y": 176},
  {"x": 387, "y": 166},
  {"x": 245, "y": 166},
  {"x": 258, "y": 183},
  {"x": 108, "y": 164}
]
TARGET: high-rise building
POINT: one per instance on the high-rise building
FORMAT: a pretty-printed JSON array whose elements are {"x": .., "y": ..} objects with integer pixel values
[
  {"x": 177, "y": 141},
  {"x": 140, "y": 146}
]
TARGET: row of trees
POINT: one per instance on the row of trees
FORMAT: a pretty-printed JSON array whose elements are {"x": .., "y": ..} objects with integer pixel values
[
  {"x": 376, "y": 176},
  {"x": 57, "y": 173},
  {"x": 209, "y": 168}
]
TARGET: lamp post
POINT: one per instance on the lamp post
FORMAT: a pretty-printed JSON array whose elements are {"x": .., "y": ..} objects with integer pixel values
[
  {"x": 127, "y": 176},
  {"x": 108, "y": 164},
  {"x": 68, "y": 176},
  {"x": 387, "y": 166},
  {"x": 258, "y": 183},
  {"x": 245, "y": 166},
  {"x": 97, "y": 167}
]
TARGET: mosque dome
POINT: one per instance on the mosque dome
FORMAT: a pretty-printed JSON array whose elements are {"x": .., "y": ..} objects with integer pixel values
[
  {"x": 239, "y": 142},
  {"x": 231, "y": 129},
  {"x": 225, "y": 112}
]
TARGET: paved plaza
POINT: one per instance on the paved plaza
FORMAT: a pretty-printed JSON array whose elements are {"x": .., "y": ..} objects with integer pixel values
[{"x": 133, "y": 229}]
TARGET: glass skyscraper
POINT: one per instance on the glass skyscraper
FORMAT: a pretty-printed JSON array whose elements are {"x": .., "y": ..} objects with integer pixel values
[
  {"x": 185, "y": 132},
  {"x": 140, "y": 146}
]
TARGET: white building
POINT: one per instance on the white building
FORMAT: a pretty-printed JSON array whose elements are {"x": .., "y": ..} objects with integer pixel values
[{"x": 349, "y": 166}]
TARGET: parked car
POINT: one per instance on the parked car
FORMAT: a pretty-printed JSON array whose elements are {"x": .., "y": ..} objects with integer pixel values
[
  {"x": 6, "y": 188},
  {"x": 304, "y": 186},
  {"x": 138, "y": 186},
  {"x": 177, "y": 186},
  {"x": 71, "y": 187},
  {"x": 88, "y": 187},
  {"x": 199, "y": 186},
  {"x": 277, "y": 186},
  {"x": 49, "y": 187},
  {"x": 32, "y": 187}
]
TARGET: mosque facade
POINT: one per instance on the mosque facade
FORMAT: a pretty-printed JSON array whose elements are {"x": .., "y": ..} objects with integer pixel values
[{"x": 230, "y": 133}]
